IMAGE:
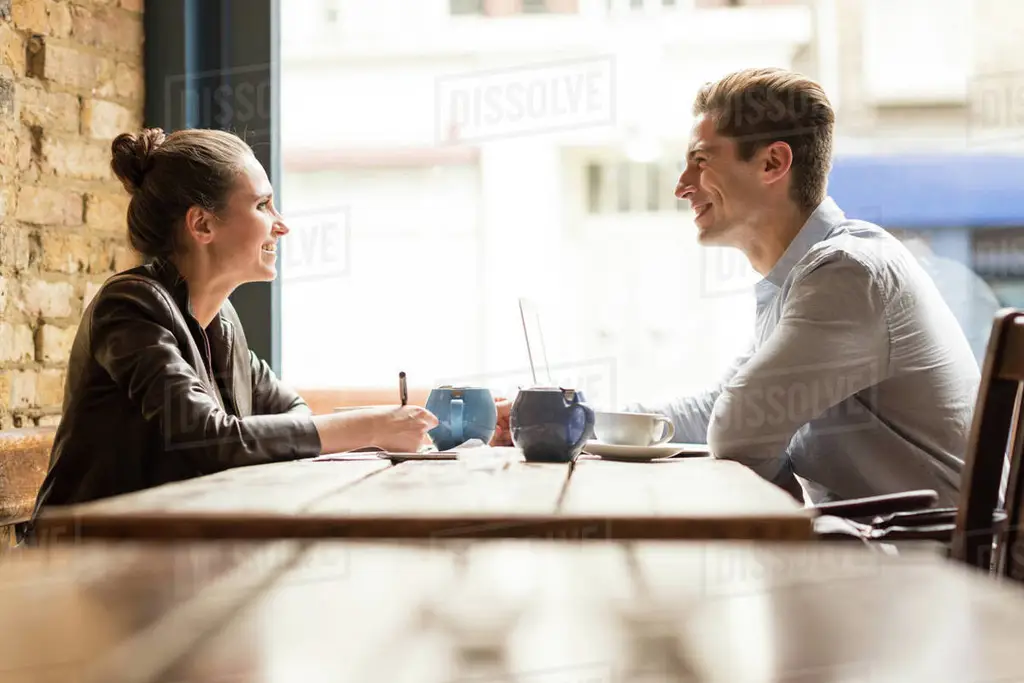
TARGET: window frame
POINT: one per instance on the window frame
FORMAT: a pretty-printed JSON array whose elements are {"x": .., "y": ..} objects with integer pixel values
[{"x": 194, "y": 48}]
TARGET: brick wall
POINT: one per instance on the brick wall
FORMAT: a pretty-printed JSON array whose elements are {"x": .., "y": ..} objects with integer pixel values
[{"x": 70, "y": 80}]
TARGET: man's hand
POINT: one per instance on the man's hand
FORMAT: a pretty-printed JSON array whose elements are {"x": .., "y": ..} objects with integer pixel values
[{"x": 502, "y": 432}]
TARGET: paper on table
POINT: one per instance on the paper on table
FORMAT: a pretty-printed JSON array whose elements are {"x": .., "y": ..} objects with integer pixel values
[
  {"x": 365, "y": 453},
  {"x": 374, "y": 453}
]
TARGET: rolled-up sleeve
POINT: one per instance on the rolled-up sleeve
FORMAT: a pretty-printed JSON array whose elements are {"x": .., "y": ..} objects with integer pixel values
[
  {"x": 831, "y": 342},
  {"x": 132, "y": 341}
]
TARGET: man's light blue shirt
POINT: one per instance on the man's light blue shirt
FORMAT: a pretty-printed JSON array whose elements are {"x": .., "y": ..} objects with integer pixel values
[{"x": 859, "y": 381}]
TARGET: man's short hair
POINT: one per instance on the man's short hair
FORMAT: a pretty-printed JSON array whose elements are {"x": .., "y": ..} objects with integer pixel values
[{"x": 759, "y": 106}]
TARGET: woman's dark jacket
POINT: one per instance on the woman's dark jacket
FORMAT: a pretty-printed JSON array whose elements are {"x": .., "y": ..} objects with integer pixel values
[{"x": 151, "y": 397}]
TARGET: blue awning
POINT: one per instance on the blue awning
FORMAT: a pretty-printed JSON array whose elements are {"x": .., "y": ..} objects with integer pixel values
[{"x": 930, "y": 191}]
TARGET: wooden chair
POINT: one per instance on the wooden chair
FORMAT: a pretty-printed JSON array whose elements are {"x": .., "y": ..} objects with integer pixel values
[
  {"x": 978, "y": 531},
  {"x": 24, "y": 461}
]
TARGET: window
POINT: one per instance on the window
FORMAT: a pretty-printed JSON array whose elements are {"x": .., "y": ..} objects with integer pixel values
[
  {"x": 708, "y": 4},
  {"x": 998, "y": 253},
  {"x": 364, "y": 273},
  {"x": 595, "y": 181},
  {"x": 927, "y": 66},
  {"x": 466, "y": 6},
  {"x": 637, "y": 5},
  {"x": 632, "y": 187},
  {"x": 625, "y": 201},
  {"x": 654, "y": 187},
  {"x": 977, "y": 271},
  {"x": 496, "y": 8},
  {"x": 328, "y": 14},
  {"x": 434, "y": 175}
]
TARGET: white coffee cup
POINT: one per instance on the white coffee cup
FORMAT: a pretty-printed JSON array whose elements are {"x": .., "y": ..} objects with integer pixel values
[{"x": 633, "y": 429}]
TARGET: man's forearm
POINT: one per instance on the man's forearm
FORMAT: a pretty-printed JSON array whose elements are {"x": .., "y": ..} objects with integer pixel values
[{"x": 690, "y": 415}]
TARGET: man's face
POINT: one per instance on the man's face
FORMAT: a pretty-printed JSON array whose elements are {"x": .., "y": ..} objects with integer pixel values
[{"x": 724, "y": 192}]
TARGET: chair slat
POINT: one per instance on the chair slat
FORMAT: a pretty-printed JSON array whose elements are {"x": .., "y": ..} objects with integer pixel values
[
  {"x": 1009, "y": 559},
  {"x": 1011, "y": 360}
]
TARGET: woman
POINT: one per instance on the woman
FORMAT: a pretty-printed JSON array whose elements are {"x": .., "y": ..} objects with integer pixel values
[{"x": 161, "y": 385}]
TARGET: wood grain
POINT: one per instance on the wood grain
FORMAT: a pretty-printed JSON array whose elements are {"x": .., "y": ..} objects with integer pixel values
[
  {"x": 551, "y": 613},
  {"x": 241, "y": 495},
  {"x": 284, "y": 487},
  {"x": 120, "y": 612},
  {"x": 499, "y": 484},
  {"x": 525, "y": 611},
  {"x": 373, "y": 606},
  {"x": 698, "y": 498},
  {"x": 489, "y": 493}
]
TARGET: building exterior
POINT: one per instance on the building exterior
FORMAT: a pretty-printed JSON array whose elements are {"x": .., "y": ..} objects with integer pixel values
[
  {"x": 931, "y": 144},
  {"x": 461, "y": 154}
]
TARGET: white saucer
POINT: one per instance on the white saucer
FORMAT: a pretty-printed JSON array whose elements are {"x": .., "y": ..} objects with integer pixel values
[{"x": 644, "y": 453}]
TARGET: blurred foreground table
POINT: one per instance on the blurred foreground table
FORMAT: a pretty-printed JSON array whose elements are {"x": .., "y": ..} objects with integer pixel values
[
  {"x": 501, "y": 610},
  {"x": 488, "y": 492}
]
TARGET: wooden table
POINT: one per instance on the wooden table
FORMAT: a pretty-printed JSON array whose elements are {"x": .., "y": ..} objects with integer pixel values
[
  {"x": 501, "y": 610},
  {"x": 489, "y": 492}
]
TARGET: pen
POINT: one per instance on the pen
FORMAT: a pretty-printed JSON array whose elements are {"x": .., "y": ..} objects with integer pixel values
[{"x": 403, "y": 389}]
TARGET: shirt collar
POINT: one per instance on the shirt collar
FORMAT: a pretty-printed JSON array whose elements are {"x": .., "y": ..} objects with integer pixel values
[{"x": 822, "y": 221}]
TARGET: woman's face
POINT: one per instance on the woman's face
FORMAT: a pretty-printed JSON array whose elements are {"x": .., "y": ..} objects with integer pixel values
[{"x": 242, "y": 241}]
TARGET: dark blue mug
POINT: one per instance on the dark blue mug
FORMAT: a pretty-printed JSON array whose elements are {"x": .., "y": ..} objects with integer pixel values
[
  {"x": 462, "y": 413},
  {"x": 550, "y": 424}
]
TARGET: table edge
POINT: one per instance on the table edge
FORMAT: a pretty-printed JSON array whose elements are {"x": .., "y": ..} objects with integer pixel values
[{"x": 178, "y": 526}]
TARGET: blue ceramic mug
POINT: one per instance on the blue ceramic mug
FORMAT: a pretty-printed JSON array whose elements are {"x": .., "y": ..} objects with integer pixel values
[
  {"x": 462, "y": 413},
  {"x": 550, "y": 424}
]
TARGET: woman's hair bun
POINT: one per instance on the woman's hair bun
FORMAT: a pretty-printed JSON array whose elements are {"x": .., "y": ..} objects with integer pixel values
[{"x": 132, "y": 156}]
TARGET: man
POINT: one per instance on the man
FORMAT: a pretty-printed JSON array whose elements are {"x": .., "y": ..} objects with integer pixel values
[{"x": 859, "y": 381}]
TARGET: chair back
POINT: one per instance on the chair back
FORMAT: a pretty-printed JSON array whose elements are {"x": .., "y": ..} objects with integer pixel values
[
  {"x": 24, "y": 461},
  {"x": 995, "y": 432}
]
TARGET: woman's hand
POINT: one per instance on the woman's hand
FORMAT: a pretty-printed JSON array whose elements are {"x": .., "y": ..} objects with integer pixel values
[{"x": 401, "y": 429}]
